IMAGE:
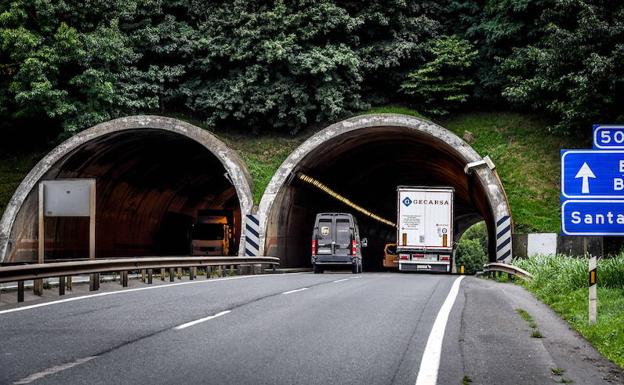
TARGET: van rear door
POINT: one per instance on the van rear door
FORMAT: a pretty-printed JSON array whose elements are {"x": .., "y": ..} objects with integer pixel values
[
  {"x": 344, "y": 236},
  {"x": 325, "y": 236}
]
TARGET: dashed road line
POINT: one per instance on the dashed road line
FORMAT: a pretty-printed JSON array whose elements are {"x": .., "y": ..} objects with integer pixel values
[
  {"x": 198, "y": 321},
  {"x": 295, "y": 291},
  {"x": 341, "y": 280},
  {"x": 53, "y": 370}
]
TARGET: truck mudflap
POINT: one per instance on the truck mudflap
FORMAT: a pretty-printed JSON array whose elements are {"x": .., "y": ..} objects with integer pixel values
[{"x": 428, "y": 266}]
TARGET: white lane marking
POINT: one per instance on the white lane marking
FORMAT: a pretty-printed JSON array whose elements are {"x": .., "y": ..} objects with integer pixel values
[
  {"x": 53, "y": 370},
  {"x": 294, "y": 291},
  {"x": 430, "y": 363},
  {"x": 138, "y": 289},
  {"x": 198, "y": 321},
  {"x": 342, "y": 280}
]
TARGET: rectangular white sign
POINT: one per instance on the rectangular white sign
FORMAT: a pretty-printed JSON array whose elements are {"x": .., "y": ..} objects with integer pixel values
[{"x": 67, "y": 198}]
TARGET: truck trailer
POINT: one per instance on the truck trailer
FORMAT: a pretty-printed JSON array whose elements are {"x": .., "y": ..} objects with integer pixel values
[{"x": 425, "y": 229}]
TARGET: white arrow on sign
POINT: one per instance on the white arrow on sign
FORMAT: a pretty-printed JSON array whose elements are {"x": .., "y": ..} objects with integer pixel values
[{"x": 585, "y": 172}]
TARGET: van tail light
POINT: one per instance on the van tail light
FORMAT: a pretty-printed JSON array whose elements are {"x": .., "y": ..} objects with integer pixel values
[
  {"x": 445, "y": 257},
  {"x": 314, "y": 247},
  {"x": 353, "y": 247}
]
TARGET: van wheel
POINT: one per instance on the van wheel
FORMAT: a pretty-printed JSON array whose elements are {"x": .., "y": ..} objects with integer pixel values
[
  {"x": 355, "y": 268},
  {"x": 317, "y": 269},
  {"x": 360, "y": 268}
]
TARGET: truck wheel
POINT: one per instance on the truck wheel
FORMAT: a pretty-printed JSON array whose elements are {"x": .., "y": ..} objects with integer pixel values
[{"x": 317, "y": 269}]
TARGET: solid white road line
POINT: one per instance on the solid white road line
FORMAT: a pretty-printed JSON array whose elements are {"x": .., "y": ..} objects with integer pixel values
[
  {"x": 52, "y": 370},
  {"x": 198, "y": 321},
  {"x": 430, "y": 363},
  {"x": 341, "y": 280},
  {"x": 294, "y": 291},
  {"x": 138, "y": 289}
]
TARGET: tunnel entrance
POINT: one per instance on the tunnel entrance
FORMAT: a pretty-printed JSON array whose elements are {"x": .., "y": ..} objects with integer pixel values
[
  {"x": 153, "y": 176},
  {"x": 365, "y": 159}
]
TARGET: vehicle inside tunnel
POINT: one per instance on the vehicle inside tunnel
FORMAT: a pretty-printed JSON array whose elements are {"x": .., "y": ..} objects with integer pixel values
[
  {"x": 151, "y": 186},
  {"x": 366, "y": 166}
]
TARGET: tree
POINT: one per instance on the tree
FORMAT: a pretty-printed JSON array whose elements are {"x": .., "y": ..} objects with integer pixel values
[
  {"x": 575, "y": 72},
  {"x": 445, "y": 80}
]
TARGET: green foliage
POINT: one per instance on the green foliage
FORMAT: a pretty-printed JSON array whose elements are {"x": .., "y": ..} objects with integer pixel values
[
  {"x": 575, "y": 71},
  {"x": 445, "y": 80},
  {"x": 472, "y": 249},
  {"x": 561, "y": 282},
  {"x": 273, "y": 64}
]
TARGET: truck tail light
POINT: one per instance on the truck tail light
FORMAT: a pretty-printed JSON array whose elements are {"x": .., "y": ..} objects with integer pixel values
[
  {"x": 404, "y": 257},
  {"x": 353, "y": 247},
  {"x": 314, "y": 247},
  {"x": 418, "y": 255},
  {"x": 445, "y": 257}
]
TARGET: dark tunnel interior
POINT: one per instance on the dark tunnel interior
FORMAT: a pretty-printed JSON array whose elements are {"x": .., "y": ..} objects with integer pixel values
[
  {"x": 150, "y": 186},
  {"x": 367, "y": 166}
]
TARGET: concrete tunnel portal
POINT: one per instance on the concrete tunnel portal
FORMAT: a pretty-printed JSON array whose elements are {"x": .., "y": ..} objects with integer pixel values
[
  {"x": 365, "y": 158},
  {"x": 153, "y": 174}
]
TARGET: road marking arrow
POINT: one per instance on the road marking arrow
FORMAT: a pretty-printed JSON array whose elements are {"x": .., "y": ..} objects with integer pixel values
[{"x": 585, "y": 172}]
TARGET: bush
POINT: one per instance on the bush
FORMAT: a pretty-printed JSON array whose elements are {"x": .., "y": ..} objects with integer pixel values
[{"x": 471, "y": 255}]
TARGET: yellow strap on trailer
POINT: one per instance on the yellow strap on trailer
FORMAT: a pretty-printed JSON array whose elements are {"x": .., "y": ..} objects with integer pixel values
[{"x": 319, "y": 185}]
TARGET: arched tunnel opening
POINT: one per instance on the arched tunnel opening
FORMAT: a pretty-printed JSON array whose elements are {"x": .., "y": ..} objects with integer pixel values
[
  {"x": 366, "y": 166},
  {"x": 151, "y": 186}
]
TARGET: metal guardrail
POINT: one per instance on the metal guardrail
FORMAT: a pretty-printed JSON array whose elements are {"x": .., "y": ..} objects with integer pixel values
[
  {"x": 21, "y": 273},
  {"x": 506, "y": 268}
]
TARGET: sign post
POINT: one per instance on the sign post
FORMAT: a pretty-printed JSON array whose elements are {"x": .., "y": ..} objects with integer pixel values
[
  {"x": 66, "y": 198},
  {"x": 593, "y": 291}
]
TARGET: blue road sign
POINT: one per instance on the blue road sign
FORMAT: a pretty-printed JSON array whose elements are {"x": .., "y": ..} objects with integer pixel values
[
  {"x": 592, "y": 174},
  {"x": 608, "y": 137},
  {"x": 592, "y": 217}
]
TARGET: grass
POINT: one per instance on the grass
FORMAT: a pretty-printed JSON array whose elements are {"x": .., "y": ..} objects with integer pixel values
[
  {"x": 561, "y": 283},
  {"x": 263, "y": 155},
  {"x": 535, "y": 333}
]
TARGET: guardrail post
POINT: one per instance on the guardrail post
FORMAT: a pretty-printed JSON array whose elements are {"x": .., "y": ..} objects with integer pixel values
[
  {"x": 179, "y": 273},
  {"x": 69, "y": 283},
  {"x": 208, "y": 272},
  {"x": 220, "y": 271},
  {"x": 192, "y": 273},
  {"x": 38, "y": 286},
  {"x": 143, "y": 275},
  {"x": 171, "y": 274},
  {"x": 20, "y": 291},
  {"x": 94, "y": 282},
  {"x": 162, "y": 274},
  {"x": 61, "y": 286},
  {"x": 150, "y": 275},
  {"x": 124, "y": 278}
]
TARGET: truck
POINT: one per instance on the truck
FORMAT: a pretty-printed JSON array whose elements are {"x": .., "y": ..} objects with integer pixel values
[
  {"x": 425, "y": 228},
  {"x": 212, "y": 233}
]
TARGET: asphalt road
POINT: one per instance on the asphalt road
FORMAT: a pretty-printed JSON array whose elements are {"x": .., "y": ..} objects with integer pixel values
[{"x": 294, "y": 329}]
